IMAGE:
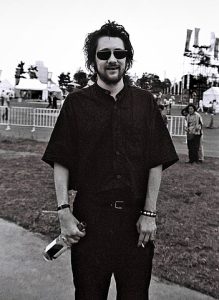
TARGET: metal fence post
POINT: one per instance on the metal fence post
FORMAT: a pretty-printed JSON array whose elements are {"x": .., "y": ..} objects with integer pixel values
[
  {"x": 34, "y": 120},
  {"x": 8, "y": 120},
  {"x": 171, "y": 126}
]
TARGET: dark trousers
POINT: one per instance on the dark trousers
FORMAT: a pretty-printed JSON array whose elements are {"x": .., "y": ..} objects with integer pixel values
[
  {"x": 193, "y": 146},
  {"x": 110, "y": 247},
  {"x": 5, "y": 114}
]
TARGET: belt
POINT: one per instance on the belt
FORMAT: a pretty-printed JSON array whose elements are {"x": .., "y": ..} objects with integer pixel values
[
  {"x": 121, "y": 205},
  {"x": 108, "y": 201},
  {"x": 118, "y": 204},
  {"x": 111, "y": 205}
]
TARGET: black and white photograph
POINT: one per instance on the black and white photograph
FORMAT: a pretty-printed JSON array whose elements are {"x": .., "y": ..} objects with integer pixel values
[{"x": 109, "y": 150}]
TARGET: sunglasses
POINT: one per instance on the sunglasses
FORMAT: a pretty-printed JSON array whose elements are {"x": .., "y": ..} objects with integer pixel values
[{"x": 105, "y": 54}]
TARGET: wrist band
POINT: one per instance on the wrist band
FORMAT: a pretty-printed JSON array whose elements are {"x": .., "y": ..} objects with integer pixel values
[
  {"x": 63, "y": 206},
  {"x": 148, "y": 213}
]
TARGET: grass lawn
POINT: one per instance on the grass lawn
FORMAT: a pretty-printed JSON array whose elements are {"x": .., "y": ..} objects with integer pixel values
[{"x": 187, "y": 239}]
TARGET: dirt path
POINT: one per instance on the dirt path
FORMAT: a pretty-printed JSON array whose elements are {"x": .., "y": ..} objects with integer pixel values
[{"x": 15, "y": 154}]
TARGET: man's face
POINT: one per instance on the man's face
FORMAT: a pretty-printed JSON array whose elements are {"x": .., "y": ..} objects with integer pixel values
[{"x": 111, "y": 70}]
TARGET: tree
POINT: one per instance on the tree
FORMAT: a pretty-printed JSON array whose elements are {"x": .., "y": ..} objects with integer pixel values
[
  {"x": 32, "y": 70},
  {"x": 81, "y": 78},
  {"x": 150, "y": 82},
  {"x": 198, "y": 84},
  {"x": 64, "y": 80},
  {"x": 19, "y": 71},
  {"x": 166, "y": 85}
]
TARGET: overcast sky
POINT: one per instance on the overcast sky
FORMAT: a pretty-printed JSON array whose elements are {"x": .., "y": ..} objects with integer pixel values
[{"x": 54, "y": 31}]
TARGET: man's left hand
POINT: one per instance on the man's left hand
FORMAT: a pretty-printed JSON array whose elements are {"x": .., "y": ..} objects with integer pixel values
[{"x": 146, "y": 227}]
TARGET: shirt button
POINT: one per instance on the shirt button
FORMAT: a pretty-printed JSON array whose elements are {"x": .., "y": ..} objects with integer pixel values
[
  {"x": 118, "y": 176},
  {"x": 117, "y": 153}
]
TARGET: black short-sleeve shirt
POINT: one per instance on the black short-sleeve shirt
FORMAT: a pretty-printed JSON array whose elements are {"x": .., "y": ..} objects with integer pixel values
[{"x": 107, "y": 144}]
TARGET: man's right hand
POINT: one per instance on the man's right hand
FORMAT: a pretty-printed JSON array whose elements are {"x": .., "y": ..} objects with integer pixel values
[{"x": 69, "y": 229}]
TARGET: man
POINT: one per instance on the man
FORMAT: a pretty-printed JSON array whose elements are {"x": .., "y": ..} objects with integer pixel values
[{"x": 110, "y": 144}]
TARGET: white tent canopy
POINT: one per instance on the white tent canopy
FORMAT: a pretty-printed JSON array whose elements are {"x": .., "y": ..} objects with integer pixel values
[
  {"x": 31, "y": 85},
  {"x": 54, "y": 88},
  {"x": 36, "y": 85},
  {"x": 6, "y": 86},
  {"x": 210, "y": 95}
]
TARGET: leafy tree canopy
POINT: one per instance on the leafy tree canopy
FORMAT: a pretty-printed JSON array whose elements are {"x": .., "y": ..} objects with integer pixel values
[
  {"x": 152, "y": 82},
  {"x": 64, "y": 79},
  {"x": 81, "y": 78},
  {"x": 19, "y": 71},
  {"x": 32, "y": 70}
]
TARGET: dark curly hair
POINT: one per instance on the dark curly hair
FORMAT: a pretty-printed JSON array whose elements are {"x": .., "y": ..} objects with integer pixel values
[
  {"x": 190, "y": 105},
  {"x": 111, "y": 29}
]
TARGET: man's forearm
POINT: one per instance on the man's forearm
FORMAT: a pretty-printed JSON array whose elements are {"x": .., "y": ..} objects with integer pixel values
[
  {"x": 61, "y": 177},
  {"x": 154, "y": 181},
  {"x": 68, "y": 222}
]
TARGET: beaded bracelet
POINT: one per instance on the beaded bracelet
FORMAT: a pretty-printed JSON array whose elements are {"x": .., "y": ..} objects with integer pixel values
[
  {"x": 63, "y": 206},
  {"x": 148, "y": 213}
]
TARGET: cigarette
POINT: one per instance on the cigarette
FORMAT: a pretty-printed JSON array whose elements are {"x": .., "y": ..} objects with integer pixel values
[{"x": 142, "y": 245}]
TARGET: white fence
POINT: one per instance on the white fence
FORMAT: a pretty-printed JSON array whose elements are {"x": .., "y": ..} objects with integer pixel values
[
  {"x": 176, "y": 125},
  {"x": 46, "y": 118},
  {"x": 26, "y": 116}
]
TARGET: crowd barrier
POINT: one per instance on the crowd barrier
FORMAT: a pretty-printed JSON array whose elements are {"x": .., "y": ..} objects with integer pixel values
[
  {"x": 46, "y": 118},
  {"x": 27, "y": 116},
  {"x": 176, "y": 125}
]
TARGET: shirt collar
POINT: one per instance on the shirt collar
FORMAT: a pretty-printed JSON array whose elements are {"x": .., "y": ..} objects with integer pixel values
[
  {"x": 101, "y": 90},
  {"x": 107, "y": 92}
]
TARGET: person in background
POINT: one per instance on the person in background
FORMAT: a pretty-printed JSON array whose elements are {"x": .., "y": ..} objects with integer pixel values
[
  {"x": 164, "y": 116},
  {"x": 110, "y": 144},
  {"x": 2, "y": 96},
  {"x": 194, "y": 132},
  {"x": 6, "y": 105},
  {"x": 168, "y": 106},
  {"x": 214, "y": 106},
  {"x": 54, "y": 101},
  {"x": 165, "y": 102},
  {"x": 200, "y": 104},
  {"x": 211, "y": 112},
  {"x": 184, "y": 113},
  {"x": 50, "y": 100}
]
